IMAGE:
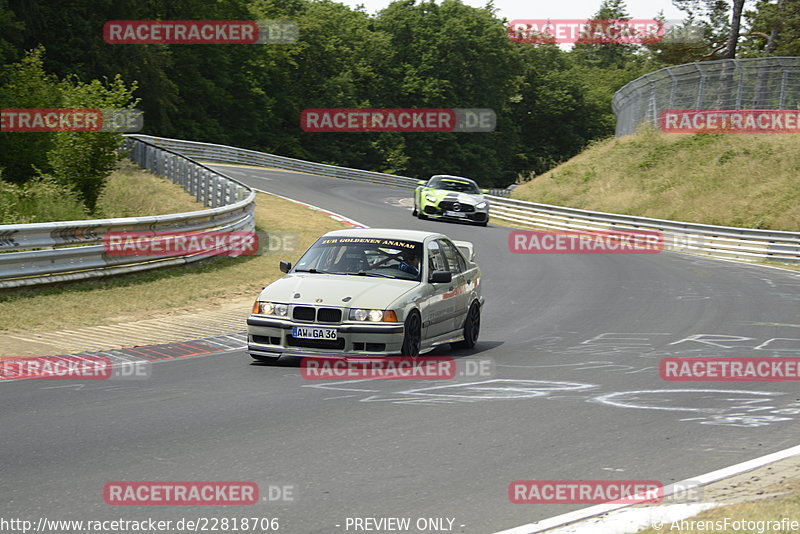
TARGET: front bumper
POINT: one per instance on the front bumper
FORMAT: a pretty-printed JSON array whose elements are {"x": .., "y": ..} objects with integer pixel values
[
  {"x": 272, "y": 336},
  {"x": 477, "y": 215}
]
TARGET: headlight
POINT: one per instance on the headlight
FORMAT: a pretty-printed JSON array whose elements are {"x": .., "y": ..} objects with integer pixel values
[
  {"x": 272, "y": 308},
  {"x": 430, "y": 198},
  {"x": 481, "y": 205},
  {"x": 373, "y": 316}
]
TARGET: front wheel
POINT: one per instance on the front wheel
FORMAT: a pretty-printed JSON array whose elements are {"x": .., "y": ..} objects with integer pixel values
[
  {"x": 413, "y": 335},
  {"x": 472, "y": 328}
]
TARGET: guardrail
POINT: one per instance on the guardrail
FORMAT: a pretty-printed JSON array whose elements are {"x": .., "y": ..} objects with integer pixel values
[
  {"x": 32, "y": 254},
  {"x": 42, "y": 253},
  {"x": 717, "y": 241},
  {"x": 725, "y": 242},
  {"x": 241, "y": 156}
]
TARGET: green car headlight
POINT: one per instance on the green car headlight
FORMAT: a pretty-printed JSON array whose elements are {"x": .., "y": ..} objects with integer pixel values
[{"x": 430, "y": 198}]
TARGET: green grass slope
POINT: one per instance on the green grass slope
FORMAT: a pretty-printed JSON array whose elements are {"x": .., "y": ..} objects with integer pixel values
[{"x": 747, "y": 180}]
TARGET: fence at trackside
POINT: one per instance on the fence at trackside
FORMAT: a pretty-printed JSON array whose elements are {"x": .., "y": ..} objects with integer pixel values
[
  {"x": 717, "y": 241},
  {"x": 751, "y": 83},
  {"x": 42, "y": 253}
]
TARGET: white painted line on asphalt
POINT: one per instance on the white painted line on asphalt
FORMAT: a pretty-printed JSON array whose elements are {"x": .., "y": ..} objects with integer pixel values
[
  {"x": 331, "y": 214},
  {"x": 694, "y": 482}
]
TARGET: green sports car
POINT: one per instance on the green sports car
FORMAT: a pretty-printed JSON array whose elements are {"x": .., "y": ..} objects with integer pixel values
[{"x": 453, "y": 198}]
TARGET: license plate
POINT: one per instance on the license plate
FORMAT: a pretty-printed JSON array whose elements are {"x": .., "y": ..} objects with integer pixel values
[
  {"x": 305, "y": 332},
  {"x": 455, "y": 214}
]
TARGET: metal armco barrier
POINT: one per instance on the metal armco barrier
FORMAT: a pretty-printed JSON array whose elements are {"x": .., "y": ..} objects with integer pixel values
[
  {"x": 725, "y": 242},
  {"x": 33, "y": 254},
  {"x": 241, "y": 156},
  {"x": 717, "y": 241}
]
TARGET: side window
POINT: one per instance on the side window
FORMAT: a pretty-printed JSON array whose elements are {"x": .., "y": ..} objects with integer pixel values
[
  {"x": 454, "y": 259},
  {"x": 435, "y": 258},
  {"x": 462, "y": 262}
]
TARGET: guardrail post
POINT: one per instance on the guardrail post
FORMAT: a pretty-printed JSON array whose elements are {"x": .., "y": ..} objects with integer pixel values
[{"x": 214, "y": 191}]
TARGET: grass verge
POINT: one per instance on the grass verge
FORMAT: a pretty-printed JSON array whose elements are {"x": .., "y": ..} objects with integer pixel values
[
  {"x": 132, "y": 192},
  {"x": 747, "y": 180},
  {"x": 765, "y": 515},
  {"x": 208, "y": 284}
]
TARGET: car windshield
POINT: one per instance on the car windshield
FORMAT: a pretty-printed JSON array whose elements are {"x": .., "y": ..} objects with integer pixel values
[
  {"x": 363, "y": 256},
  {"x": 454, "y": 185}
]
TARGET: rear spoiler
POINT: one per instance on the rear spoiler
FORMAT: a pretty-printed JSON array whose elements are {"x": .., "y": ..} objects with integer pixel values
[{"x": 466, "y": 248}]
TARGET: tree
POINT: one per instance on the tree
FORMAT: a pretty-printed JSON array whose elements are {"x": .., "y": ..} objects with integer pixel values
[
  {"x": 606, "y": 55},
  {"x": 82, "y": 161},
  {"x": 26, "y": 85}
]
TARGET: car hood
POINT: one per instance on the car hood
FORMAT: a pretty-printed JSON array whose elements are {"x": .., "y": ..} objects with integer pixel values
[
  {"x": 332, "y": 290},
  {"x": 452, "y": 196}
]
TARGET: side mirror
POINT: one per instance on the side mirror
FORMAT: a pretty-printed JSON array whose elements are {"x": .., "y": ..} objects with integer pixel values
[
  {"x": 286, "y": 266},
  {"x": 441, "y": 277},
  {"x": 485, "y": 191},
  {"x": 421, "y": 182}
]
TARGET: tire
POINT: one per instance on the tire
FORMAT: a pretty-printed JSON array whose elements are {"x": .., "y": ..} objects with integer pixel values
[
  {"x": 472, "y": 328},
  {"x": 484, "y": 223},
  {"x": 421, "y": 215},
  {"x": 414, "y": 213},
  {"x": 412, "y": 339}
]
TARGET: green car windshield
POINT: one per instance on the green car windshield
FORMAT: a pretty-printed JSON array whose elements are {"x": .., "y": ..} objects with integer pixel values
[
  {"x": 363, "y": 256},
  {"x": 454, "y": 185}
]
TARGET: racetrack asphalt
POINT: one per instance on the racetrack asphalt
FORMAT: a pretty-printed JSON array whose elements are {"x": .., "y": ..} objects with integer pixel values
[{"x": 575, "y": 340}]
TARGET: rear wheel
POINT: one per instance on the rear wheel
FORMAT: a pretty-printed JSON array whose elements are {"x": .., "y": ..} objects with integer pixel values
[
  {"x": 472, "y": 328},
  {"x": 412, "y": 339}
]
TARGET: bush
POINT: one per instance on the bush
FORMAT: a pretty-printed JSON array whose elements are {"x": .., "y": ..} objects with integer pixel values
[{"x": 41, "y": 199}]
